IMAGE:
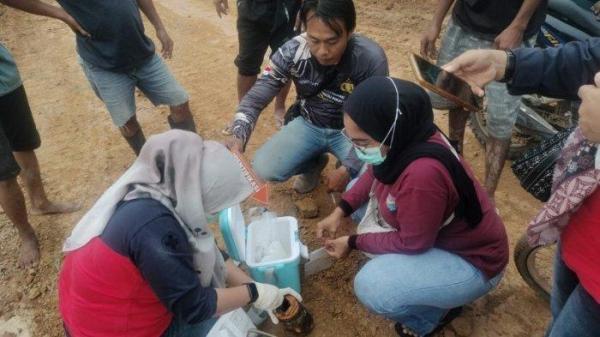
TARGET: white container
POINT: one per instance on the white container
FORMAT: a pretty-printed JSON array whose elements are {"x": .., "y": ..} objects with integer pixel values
[{"x": 251, "y": 244}]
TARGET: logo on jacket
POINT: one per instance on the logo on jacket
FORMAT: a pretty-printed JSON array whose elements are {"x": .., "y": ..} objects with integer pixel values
[
  {"x": 347, "y": 86},
  {"x": 390, "y": 203}
]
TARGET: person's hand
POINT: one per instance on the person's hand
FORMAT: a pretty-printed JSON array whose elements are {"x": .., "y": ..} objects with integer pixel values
[
  {"x": 478, "y": 68},
  {"x": 330, "y": 224},
  {"x": 428, "y": 42},
  {"x": 589, "y": 110},
  {"x": 234, "y": 144},
  {"x": 166, "y": 43},
  {"x": 222, "y": 7},
  {"x": 511, "y": 37},
  {"x": 337, "y": 180},
  {"x": 270, "y": 298},
  {"x": 596, "y": 10},
  {"x": 73, "y": 24},
  {"x": 338, "y": 248}
]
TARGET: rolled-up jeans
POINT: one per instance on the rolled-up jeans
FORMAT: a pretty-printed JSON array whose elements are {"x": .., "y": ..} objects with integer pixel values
[
  {"x": 418, "y": 290},
  {"x": 295, "y": 149}
]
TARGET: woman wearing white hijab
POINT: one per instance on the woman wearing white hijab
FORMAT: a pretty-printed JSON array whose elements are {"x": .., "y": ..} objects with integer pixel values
[{"x": 143, "y": 262}]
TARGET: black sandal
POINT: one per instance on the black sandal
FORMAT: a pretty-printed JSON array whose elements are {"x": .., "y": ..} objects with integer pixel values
[{"x": 404, "y": 331}]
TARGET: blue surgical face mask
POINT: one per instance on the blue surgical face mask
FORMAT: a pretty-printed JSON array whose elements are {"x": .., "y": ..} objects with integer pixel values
[
  {"x": 370, "y": 155},
  {"x": 373, "y": 155}
]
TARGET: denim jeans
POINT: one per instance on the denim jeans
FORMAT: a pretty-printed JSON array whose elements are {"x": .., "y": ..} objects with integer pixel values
[
  {"x": 117, "y": 90},
  {"x": 418, "y": 290},
  {"x": 574, "y": 312},
  {"x": 295, "y": 149},
  {"x": 179, "y": 328}
]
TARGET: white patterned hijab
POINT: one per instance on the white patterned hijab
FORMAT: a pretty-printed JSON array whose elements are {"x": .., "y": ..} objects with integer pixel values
[{"x": 191, "y": 177}]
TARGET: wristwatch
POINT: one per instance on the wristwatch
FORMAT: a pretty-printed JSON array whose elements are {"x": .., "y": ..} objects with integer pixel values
[
  {"x": 510, "y": 66},
  {"x": 252, "y": 291}
]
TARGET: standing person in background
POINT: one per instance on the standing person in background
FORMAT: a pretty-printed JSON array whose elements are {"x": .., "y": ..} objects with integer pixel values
[
  {"x": 479, "y": 24},
  {"x": 117, "y": 56},
  {"x": 260, "y": 24},
  {"x": 18, "y": 140},
  {"x": 572, "y": 214}
]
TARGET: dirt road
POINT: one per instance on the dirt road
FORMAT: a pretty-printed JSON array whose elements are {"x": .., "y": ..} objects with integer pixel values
[{"x": 82, "y": 154}]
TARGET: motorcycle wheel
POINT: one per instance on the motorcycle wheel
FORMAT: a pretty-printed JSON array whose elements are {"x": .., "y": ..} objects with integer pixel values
[
  {"x": 535, "y": 265},
  {"x": 520, "y": 143}
]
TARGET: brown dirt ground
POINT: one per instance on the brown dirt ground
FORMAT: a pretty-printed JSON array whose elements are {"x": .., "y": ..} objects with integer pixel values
[{"x": 82, "y": 154}]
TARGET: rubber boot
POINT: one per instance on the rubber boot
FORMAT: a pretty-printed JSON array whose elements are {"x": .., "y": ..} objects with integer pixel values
[
  {"x": 137, "y": 141},
  {"x": 187, "y": 125}
]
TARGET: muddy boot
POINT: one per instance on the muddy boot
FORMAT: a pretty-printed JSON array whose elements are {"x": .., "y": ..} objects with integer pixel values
[
  {"x": 137, "y": 141},
  {"x": 187, "y": 124},
  {"x": 308, "y": 181}
]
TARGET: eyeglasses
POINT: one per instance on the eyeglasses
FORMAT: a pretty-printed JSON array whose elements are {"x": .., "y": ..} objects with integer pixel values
[{"x": 362, "y": 149}]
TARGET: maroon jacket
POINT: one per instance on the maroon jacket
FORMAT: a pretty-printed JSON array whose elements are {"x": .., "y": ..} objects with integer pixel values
[{"x": 417, "y": 205}]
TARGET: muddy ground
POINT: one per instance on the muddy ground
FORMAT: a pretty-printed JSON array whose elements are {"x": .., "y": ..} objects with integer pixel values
[{"x": 82, "y": 154}]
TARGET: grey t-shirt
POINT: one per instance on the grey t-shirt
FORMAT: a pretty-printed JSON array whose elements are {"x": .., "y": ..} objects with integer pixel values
[
  {"x": 9, "y": 75},
  {"x": 118, "y": 42}
]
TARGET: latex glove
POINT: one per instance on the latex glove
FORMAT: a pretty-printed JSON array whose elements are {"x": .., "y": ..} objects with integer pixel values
[{"x": 270, "y": 298}]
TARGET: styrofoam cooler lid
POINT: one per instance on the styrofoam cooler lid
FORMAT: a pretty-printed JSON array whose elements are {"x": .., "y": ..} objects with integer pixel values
[{"x": 233, "y": 228}]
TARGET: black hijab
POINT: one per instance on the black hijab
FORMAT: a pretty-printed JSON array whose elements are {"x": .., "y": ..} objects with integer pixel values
[{"x": 373, "y": 107}]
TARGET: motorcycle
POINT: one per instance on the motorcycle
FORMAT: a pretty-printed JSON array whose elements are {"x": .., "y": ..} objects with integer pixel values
[{"x": 540, "y": 118}]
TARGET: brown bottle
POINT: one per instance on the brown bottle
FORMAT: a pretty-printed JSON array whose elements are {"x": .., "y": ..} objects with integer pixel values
[{"x": 294, "y": 316}]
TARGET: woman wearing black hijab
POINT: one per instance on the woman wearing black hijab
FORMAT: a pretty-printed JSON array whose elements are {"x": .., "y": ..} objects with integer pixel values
[{"x": 434, "y": 237}]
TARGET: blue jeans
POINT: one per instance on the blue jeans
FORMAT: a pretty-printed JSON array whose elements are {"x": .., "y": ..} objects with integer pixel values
[
  {"x": 295, "y": 149},
  {"x": 418, "y": 290},
  {"x": 117, "y": 90},
  {"x": 574, "y": 312},
  {"x": 179, "y": 328}
]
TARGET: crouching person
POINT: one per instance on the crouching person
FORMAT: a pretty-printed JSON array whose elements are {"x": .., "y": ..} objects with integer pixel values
[
  {"x": 434, "y": 237},
  {"x": 143, "y": 262}
]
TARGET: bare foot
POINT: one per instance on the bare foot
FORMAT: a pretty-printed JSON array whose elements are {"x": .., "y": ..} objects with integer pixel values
[
  {"x": 55, "y": 208},
  {"x": 29, "y": 252}
]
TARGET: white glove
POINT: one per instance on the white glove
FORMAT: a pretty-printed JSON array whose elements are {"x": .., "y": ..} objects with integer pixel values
[{"x": 270, "y": 298}]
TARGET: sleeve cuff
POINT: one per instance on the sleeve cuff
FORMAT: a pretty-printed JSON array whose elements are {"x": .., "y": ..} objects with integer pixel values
[
  {"x": 346, "y": 207},
  {"x": 352, "y": 241}
]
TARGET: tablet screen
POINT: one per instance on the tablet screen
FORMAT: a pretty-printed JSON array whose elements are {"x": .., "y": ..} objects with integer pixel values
[{"x": 446, "y": 81}]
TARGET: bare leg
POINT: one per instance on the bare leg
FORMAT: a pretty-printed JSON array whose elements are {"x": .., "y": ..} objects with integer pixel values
[
  {"x": 244, "y": 83},
  {"x": 181, "y": 117},
  {"x": 457, "y": 122},
  {"x": 280, "y": 104},
  {"x": 133, "y": 134},
  {"x": 495, "y": 156},
  {"x": 32, "y": 179},
  {"x": 13, "y": 203}
]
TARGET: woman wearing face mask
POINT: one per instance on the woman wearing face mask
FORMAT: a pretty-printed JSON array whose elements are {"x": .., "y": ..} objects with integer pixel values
[
  {"x": 435, "y": 239},
  {"x": 143, "y": 261}
]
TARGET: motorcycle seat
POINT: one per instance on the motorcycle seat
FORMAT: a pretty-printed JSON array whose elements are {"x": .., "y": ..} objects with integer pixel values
[{"x": 577, "y": 12}]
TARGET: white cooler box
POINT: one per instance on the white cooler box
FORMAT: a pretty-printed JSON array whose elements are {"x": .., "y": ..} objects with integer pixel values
[{"x": 271, "y": 248}]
